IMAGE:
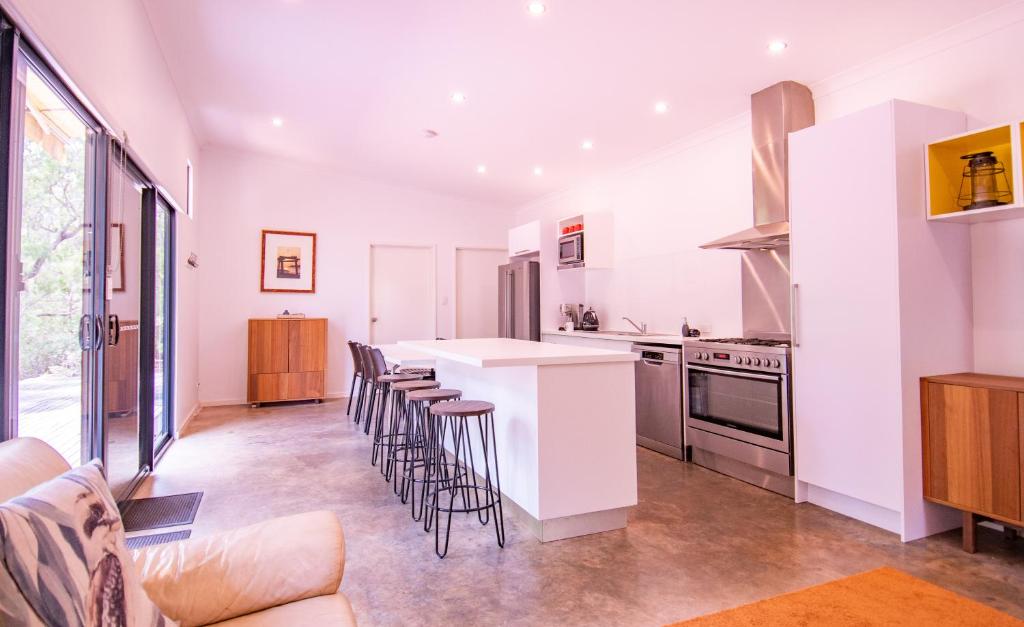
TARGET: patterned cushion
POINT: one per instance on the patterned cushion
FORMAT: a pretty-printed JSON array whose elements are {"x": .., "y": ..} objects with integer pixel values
[{"x": 63, "y": 553}]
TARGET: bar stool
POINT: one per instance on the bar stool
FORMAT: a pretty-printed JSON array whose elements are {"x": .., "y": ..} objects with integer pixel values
[
  {"x": 484, "y": 497},
  {"x": 357, "y": 373},
  {"x": 416, "y": 446},
  {"x": 367, "y": 384},
  {"x": 396, "y": 438},
  {"x": 382, "y": 380}
]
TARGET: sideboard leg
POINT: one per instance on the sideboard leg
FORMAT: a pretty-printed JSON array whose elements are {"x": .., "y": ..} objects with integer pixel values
[
  {"x": 1009, "y": 533},
  {"x": 970, "y": 532}
]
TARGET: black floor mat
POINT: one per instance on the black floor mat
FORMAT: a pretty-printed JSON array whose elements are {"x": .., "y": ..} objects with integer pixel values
[
  {"x": 157, "y": 538},
  {"x": 160, "y": 511}
]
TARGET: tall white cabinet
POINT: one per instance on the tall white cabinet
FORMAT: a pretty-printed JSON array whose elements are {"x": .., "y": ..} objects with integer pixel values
[{"x": 881, "y": 298}]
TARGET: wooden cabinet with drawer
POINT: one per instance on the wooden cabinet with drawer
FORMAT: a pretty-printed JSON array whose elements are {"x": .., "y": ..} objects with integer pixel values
[
  {"x": 973, "y": 447},
  {"x": 287, "y": 359}
]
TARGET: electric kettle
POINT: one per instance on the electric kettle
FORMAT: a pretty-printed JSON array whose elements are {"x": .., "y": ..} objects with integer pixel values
[{"x": 590, "y": 321}]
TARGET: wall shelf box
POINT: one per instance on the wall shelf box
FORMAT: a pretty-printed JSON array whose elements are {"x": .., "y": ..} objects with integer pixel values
[
  {"x": 945, "y": 172},
  {"x": 598, "y": 238}
]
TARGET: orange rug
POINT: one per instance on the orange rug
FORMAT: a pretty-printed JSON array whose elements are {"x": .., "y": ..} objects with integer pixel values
[{"x": 884, "y": 596}]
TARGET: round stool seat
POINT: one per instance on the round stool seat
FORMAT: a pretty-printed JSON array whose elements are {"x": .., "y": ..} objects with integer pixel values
[
  {"x": 395, "y": 378},
  {"x": 433, "y": 395},
  {"x": 462, "y": 408},
  {"x": 417, "y": 371},
  {"x": 408, "y": 386}
]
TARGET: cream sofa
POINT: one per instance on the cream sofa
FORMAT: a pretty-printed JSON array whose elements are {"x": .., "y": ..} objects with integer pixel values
[{"x": 284, "y": 571}]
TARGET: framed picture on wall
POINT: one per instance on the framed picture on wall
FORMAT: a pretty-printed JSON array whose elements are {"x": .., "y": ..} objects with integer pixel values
[
  {"x": 288, "y": 262},
  {"x": 117, "y": 256}
]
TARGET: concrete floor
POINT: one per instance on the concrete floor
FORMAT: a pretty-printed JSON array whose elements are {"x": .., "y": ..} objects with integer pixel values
[{"x": 696, "y": 543}]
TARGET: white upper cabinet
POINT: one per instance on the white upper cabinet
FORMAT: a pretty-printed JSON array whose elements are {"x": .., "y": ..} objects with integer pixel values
[{"x": 524, "y": 239}]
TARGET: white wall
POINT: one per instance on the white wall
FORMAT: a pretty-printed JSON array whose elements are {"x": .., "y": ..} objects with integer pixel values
[
  {"x": 108, "y": 51},
  {"x": 245, "y": 192},
  {"x": 663, "y": 210},
  {"x": 699, "y": 189}
]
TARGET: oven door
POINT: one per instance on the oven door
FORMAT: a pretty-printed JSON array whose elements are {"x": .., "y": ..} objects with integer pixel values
[
  {"x": 570, "y": 249},
  {"x": 748, "y": 406}
]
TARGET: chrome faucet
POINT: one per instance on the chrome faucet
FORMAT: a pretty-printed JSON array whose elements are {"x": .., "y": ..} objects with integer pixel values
[{"x": 642, "y": 327}]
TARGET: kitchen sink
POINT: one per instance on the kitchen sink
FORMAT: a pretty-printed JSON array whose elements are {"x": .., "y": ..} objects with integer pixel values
[{"x": 629, "y": 333}]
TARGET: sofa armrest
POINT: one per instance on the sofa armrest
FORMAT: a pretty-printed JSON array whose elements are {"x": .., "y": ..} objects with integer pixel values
[{"x": 205, "y": 580}]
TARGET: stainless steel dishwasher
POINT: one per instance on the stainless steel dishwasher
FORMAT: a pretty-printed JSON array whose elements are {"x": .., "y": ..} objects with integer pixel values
[{"x": 659, "y": 399}]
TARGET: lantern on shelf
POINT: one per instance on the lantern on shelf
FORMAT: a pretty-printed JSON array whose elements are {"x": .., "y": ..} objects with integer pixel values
[{"x": 984, "y": 182}]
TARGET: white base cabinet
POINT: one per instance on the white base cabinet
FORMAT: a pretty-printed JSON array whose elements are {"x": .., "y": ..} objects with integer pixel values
[{"x": 881, "y": 297}]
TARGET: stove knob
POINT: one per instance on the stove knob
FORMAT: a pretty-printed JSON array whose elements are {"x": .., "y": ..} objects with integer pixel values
[
  {"x": 705, "y": 356},
  {"x": 775, "y": 363},
  {"x": 757, "y": 361},
  {"x": 738, "y": 359},
  {"x": 746, "y": 361}
]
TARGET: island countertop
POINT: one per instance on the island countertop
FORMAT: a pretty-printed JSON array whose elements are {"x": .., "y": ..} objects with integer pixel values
[{"x": 502, "y": 352}]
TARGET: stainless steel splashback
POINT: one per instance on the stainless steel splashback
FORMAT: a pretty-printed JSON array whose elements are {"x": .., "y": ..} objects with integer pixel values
[{"x": 765, "y": 291}]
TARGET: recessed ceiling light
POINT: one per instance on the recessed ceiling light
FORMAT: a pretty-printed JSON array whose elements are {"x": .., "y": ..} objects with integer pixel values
[
  {"x": 587, "y": 145},
  {"x": 777, "y": 46},
  {"x": 538, "y": 171},
  {"x": 536, "y": 8},
  {"x": 278, "y": 122},
  {"x": 661, "y": 107},
  {"x": 458, "y": 97},
  {"x": 481, "y": 169}
]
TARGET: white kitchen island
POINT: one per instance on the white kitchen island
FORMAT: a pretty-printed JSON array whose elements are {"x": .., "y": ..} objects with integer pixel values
[{"x": 565, "y": 423}]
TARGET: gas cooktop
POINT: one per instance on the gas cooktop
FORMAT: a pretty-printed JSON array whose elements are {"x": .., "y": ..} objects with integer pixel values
[{"x": 747, "y": 341}]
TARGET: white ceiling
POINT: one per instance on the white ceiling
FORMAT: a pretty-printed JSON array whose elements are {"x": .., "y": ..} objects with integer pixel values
[{"x": 356, "y": 83}]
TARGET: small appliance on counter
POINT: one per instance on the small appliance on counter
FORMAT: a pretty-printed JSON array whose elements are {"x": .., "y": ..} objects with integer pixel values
[
  {"x": 572, "y": 314},
  {"x": 590, "y": 321}
]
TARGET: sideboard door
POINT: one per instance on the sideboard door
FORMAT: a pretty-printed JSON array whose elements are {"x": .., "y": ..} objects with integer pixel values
[
  {"x": 268, "y": 346},
  {"x": 307, "y": 345},
  {"x": 973, "y": 449}
]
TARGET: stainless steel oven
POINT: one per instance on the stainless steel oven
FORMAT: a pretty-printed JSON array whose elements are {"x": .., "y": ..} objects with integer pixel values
[
  {"x": 738, "y": 418},
  {"x": 570, "y": 250},
  {"x": 749, "y": 406}
]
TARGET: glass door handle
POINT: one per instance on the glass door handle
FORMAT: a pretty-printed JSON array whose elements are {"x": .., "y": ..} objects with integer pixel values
[
  {"x": 113, "y": 330},
  {"x": 83, "y": 332},
  {"x": 101, "y": 332}
]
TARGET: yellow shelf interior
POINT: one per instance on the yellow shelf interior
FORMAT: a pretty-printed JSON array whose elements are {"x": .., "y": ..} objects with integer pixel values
[{"x": 945, "y": 167}]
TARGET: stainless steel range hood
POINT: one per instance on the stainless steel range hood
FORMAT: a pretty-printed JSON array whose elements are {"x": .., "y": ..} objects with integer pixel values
[{"x": 775, "y": 112}]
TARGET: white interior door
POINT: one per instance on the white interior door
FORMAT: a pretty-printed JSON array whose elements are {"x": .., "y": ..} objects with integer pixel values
[
  {"x": 476, "y": 291},
  {"x": 402, "y": 293}
]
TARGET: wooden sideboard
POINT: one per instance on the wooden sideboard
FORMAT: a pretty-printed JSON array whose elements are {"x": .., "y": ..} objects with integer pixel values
[
  {"x": 287, "y": 359},
  {"x": 973, "y": 447}
]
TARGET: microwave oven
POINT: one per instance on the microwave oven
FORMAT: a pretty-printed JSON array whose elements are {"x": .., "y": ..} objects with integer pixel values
[{"x": 570, "y": 250}]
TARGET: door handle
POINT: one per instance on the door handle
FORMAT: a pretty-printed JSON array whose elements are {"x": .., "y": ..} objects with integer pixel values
[
  {"x": 99, "y": 331},
  {"x": 113, "y": 330},
  {"x": 794, "y": 303},
  {"x": 83, "y": 330}
]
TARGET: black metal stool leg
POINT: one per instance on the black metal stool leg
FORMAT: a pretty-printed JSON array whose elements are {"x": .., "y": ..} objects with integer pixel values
[{"x": 351, "y": 391}]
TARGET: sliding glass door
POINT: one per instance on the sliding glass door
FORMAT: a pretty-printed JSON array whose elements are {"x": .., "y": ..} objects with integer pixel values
[
  {"x": 87, "y": 272},
  {"x": 54, "y": 323},
  {"x": 163, "y": 325},
  {"x": 125, "y": 458}
]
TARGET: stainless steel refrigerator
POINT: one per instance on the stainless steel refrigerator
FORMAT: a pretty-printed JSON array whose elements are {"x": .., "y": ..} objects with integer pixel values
[{"x": 519, "y": 300}]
